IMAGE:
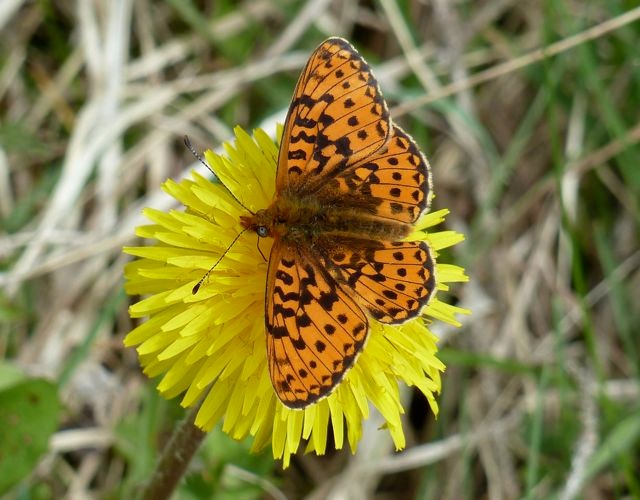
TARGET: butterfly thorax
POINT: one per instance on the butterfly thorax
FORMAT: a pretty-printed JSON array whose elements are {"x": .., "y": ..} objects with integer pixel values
[{"x": 298, "y": 220}]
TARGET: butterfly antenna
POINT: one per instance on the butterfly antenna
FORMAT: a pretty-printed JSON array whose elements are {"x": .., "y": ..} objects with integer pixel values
[
  {"x": 260, "y": 249},
  {"x": 197, "y": 286},
  {"x": 187, "y": 143}
]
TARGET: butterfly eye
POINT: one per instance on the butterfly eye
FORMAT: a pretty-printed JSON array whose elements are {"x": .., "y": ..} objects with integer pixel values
[{"x": 262, "y": 231}]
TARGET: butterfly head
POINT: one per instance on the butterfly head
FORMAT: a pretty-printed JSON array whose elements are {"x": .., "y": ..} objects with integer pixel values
[{"x": 261, "y": 223}]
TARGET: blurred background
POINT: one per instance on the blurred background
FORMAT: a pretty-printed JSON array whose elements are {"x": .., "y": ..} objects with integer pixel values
[{"x": 535, "y": 152}]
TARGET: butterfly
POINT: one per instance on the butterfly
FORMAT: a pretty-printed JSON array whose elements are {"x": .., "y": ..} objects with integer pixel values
[{"x": 350, "y": 184}]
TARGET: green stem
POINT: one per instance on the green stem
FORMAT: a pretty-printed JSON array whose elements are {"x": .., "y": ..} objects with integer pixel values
[{"x": 175, "y": 459}]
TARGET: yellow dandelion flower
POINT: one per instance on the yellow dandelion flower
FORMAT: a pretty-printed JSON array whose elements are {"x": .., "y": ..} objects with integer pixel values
[{"x": 211, "y": 345}]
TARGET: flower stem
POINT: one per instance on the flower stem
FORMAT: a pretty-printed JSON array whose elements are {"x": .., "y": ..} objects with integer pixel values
[{"x": 176, "y": 456}]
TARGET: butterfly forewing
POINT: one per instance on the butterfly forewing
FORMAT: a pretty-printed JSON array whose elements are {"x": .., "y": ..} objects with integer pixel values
[
  {"x": 314, "y": 328},
  {"x": 394, "y": 183},
  {"x": 337, "y": 117}
]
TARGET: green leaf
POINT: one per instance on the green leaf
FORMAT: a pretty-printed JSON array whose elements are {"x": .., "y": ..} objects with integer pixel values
[{"x": 28, "y": 416}]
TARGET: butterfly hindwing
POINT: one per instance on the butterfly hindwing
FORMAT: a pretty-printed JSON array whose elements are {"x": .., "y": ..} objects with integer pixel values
[
  {"x": 392, "y": 280},
  {"x": 314, "y": 328},
  {"x": 337, "y": 117}
]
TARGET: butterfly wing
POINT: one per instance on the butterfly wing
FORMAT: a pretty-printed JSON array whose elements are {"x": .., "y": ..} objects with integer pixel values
[
  {"x": 392, "y": 280},
  {"x": 337, "y": 117},
  {"x": 314, "y": 328},
  {"x": 392, "y": 184}
]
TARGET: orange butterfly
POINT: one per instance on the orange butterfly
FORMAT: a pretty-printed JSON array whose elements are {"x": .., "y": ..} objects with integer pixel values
[{"x": 349, "y": 186}]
